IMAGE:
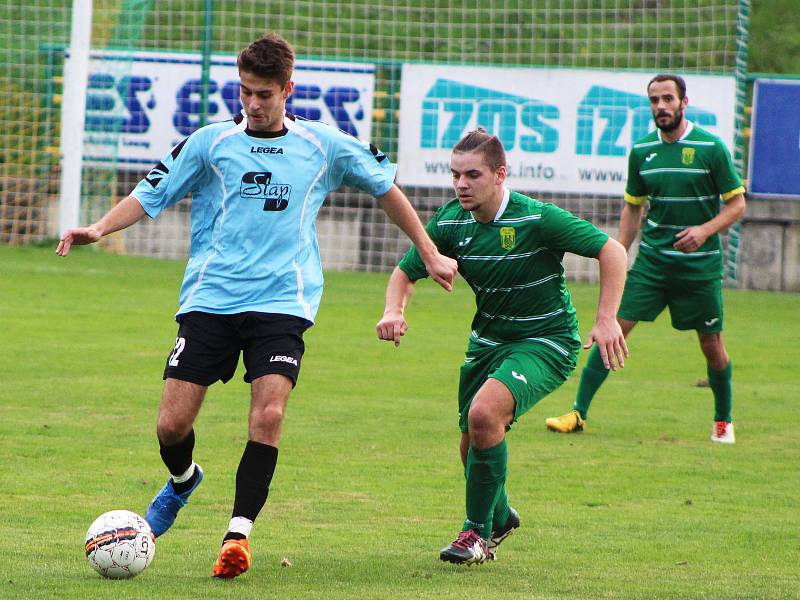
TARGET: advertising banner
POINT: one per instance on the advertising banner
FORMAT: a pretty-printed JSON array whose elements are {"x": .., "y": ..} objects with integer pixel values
[
  {"x": 140, "y": 104},
  {"x": 564, "y": 130},
  {"x": 775, "y": 143}
]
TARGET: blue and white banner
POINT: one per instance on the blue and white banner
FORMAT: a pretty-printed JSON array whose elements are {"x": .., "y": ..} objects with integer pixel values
[
  {"x": 774, "y": 167},
  {"x": 564, "y": 130},
  {"x": 140, "y": 104}
]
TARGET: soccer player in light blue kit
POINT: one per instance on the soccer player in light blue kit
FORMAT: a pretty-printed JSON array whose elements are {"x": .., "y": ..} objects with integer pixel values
[{"x": 253, "y": 282}]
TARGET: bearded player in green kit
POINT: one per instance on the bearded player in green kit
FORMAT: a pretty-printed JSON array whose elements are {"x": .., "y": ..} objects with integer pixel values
[
  {"x": 683, "y": 172},
  {"x": 524, "y": 341}
]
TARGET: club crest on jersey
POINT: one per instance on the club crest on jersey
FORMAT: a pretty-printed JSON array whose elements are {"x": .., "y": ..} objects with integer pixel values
[
  {"x": 687, "y": 156},
  {"x": 508, "y": 237},
  {"x": 258, "y": 185}
]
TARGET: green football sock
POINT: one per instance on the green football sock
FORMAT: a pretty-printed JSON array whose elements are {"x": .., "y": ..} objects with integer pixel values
[
  {"x": 486, "y": 476},
  {"x": 501, "y": 509},
  {"x": 720, "y": 384},
  {"x": 592, "y": 377}
]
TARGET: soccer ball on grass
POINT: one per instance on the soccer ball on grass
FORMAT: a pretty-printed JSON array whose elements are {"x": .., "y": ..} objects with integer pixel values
[{"x": 119, "y": 544}]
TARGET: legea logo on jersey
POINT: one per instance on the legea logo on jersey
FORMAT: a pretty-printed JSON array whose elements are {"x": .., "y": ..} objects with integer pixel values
[
  {"x": 605, "y": 115},
  {"x": 450, "y": 109},
  {"x": 258, "y": 185}
]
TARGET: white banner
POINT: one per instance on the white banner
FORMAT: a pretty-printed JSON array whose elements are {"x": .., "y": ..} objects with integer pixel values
[
  {"x": 140, "y": 104},
  {"x": 563, "y": 130}
]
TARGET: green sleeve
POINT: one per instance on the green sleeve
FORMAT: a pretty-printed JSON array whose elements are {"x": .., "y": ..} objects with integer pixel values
[
  {"x": 722, "y": 170},
  {"x": 564, "y": 232},
  {"x": 635, "y": 187},
  {"x": 411, "y": 263}
]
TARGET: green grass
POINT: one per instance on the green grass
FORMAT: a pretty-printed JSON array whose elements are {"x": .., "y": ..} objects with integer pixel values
[{"x": 369, "y": 486}]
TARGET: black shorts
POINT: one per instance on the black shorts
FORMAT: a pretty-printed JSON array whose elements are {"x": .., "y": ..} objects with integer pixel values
[{"x": 208, "y": 346}]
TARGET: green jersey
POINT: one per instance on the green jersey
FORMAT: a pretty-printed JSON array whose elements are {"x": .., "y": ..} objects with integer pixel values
[
  {"x": 513, "y": 264},
  {"x": 683, "y": 181}
]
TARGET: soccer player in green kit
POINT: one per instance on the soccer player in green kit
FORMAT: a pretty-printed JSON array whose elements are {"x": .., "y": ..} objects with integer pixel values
[
  {"x": 683, "y": 172},
  {"x": 524, "y": 341}
]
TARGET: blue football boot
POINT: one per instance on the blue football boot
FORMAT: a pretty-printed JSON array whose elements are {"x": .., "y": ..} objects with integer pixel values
[{"x": 163, "y": 510}]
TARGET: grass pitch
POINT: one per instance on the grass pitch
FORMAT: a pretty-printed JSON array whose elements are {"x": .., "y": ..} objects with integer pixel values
[{"x": 369, "y": 486}]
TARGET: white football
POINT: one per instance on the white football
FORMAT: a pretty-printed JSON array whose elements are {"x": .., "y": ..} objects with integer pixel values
[{"x": 119, "y": 544}]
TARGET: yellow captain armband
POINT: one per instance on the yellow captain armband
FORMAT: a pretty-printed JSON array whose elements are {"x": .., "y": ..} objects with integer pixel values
[
  {"x": 734, "y": 192},
  {"x": 637, "y": 200}
]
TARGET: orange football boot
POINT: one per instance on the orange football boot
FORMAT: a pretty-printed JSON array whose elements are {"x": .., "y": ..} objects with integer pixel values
[{"x": 233, "y": 560}]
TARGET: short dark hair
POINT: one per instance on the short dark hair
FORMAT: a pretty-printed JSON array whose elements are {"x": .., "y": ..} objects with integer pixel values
[
  {"x": 489, "y": 145},
  {"x": 679, "y": 82},
  {"x": 269, "y": 57}
]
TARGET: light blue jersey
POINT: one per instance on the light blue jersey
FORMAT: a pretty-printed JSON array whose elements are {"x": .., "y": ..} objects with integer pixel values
[{"x": 255, "y": 199}]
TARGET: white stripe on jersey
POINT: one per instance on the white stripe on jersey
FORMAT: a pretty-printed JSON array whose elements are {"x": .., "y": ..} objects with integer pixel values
[
  {"x": 679, "y": 253},
  {"x": 528, "y": 318},
  {"x": 304, "y": 132},
  {"x": 519, "y": 219},
  {"x": 521, "y": 286},
  {"x": 655, "y": 225},
  {"x": 308, "y": 135},
  {"x": 229, "y": 132},
  {"x": 301, "y": 288},
  {"x": 683, "y": 198},
  {"x": 675, "y": 170},
  {"x": 454, "y": 222},
  {"x": 300, "y": 284},
  {"x": 646, "y": 144},
  {"x": 241, "y": 126},
  {"x": 550, "y": 343},
  {"x": 503, "y": 257},
  {"x": 483, "y": 341}
]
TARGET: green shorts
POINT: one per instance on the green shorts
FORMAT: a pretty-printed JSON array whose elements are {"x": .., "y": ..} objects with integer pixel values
[
  {"x": 530, "y": 370},
  {"x": 692, "y": 304}
]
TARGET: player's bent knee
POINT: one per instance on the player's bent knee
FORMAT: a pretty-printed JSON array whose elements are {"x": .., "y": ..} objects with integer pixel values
[
  {"x": 482, "y": 418},
  {"x": 714, "y": 350},
  {"x": 269, "y": 415},
  {"x": 170, "y": 431}
]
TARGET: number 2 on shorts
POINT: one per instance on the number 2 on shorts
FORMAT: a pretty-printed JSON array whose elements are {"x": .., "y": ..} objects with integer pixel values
[{"x": 180, "y": 344}]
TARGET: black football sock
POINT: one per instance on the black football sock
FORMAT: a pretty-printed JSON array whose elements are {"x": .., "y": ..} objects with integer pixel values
[
  {"x": 253, "y": 479},
  {"x": 178, "y": 459}
]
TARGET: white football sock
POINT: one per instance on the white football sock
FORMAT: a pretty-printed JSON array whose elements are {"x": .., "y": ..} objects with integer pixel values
[
  {"x": 240, "y": 525},
  {"x": 185, "y": 476}
]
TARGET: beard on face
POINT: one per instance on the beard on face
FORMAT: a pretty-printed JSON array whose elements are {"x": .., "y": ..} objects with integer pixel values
[{"x": 671, "y": 125}]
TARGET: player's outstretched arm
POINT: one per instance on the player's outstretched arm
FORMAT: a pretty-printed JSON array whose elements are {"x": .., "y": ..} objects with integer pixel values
[
  {"x": 607, "y": 333},
  {"x": 442, "y": 269},
  {"x": 392, "y": 325},
  {"x": 123, "y": 215}
]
